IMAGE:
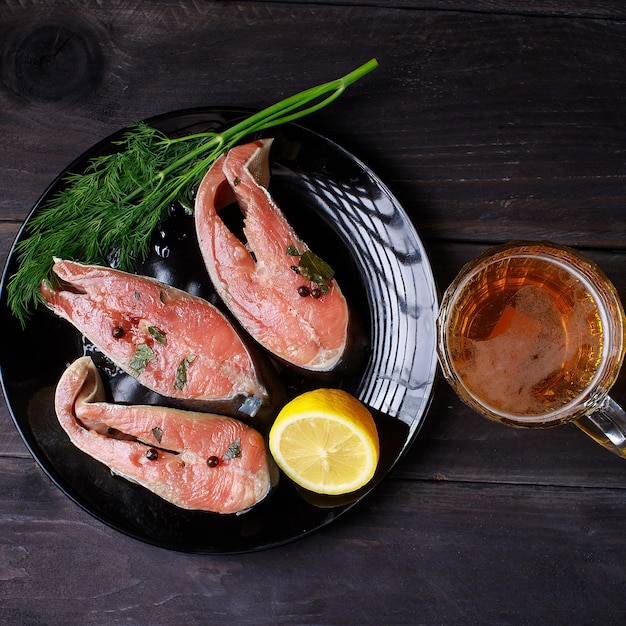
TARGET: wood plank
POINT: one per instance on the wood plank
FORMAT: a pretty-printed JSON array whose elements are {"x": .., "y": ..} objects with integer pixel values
[
  {"x": 433, "y": 553},
  {"x": 569, "y": 8},
  {"x": 475, "y": 120}
]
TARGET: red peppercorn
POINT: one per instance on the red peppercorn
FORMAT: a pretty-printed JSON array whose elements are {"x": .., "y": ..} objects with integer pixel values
[
  {"x": 303, "y": 291},
  {"x": 316, "y": 292}
]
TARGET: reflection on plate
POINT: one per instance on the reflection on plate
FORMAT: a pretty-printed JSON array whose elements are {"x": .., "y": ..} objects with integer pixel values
[{"x": 352, "y": 221}]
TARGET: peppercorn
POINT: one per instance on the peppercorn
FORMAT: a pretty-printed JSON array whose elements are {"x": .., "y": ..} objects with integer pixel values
[
  {"x": 316, "y": 292},
  {"x": 212, "y": 461},
  {"x": 118, "y": 332},
  {"x": 152, "y": 454},
  {"x": 303, "y": 291}
]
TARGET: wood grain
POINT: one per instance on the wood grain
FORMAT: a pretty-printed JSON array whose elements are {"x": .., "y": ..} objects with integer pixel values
[
  {"x": 576, "y": 8},
  {"x": 443, "y": 553},
  {"x": 490, "y": 121},
  {"x": 510, "y": 130}
]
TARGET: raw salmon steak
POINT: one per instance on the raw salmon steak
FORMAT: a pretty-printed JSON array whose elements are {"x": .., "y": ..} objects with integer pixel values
[
  {"x": 256, "y": 279},
  {"x": 193, "y": 460},
  {"x": 174, "y": 343}
]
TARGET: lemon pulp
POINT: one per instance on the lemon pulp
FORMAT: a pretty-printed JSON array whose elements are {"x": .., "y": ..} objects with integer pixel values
[{"x": 326, "y": 441}]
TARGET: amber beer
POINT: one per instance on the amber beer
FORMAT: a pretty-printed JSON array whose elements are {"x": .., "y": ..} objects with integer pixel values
[{"x": 531, "y": 334}]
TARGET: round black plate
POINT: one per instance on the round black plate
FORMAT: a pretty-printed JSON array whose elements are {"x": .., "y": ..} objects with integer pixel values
[{"x": 349, "y": 218}]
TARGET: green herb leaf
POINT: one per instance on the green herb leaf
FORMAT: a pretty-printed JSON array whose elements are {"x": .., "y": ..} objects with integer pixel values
[
  {"x": 157, "y": 433},
  {"x": 143, "y": 355},
  {"x": 158, "y": 335},
  {"x": 181, "y": 372},
  {"x": 313, "y": 268},
  {"x": 233, "y": 451},
  {"x": 112, "y": 207},
  {"x": 316, "y": 270}
]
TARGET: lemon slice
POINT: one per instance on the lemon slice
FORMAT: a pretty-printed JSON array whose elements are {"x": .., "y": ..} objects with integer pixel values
[{"x": 326, "y": 441}]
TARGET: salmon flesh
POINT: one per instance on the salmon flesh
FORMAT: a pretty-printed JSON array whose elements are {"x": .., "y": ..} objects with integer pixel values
[
  {"x": 193, "y": 460},
  {"x": 256, "y": 279},
  {"x": 173, "y": 343}
]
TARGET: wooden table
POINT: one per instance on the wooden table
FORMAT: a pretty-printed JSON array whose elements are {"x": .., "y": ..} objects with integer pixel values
[{"x": 490, "y": 121}]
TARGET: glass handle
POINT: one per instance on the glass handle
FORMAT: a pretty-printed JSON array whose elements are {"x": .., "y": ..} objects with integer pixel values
[{"x": 606, "y": 426}]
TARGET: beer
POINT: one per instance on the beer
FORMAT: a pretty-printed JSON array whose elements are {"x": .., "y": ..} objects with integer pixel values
[{"x": 522, "y": 334}]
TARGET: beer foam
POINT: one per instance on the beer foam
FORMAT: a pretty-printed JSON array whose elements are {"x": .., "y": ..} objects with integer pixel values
[{"x": 529, "y": 347}]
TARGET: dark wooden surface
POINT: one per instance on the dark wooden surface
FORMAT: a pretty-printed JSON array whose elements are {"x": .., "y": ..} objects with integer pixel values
[{"x": 490, "y": 121}]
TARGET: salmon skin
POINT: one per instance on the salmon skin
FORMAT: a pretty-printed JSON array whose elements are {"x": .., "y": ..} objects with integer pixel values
[
  {"x": 256, "y": 279},
  {"x": 193, "y": 460},
  {"x": 173, "y": 343}
]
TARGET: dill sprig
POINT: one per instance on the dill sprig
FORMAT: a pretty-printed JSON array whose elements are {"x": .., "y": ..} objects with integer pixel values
[{"x": 108, "y": 212}]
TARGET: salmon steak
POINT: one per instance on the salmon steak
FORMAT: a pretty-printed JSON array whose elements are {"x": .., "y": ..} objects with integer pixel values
[
  {"x": 261, "y": 279},
  {"x": 193, "y": 460},
  {"x": 173, "y": 343}
]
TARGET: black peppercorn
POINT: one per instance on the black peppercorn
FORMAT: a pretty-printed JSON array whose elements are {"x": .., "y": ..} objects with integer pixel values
[
  {"x": 152, "y": 454},
  {"x": 117, "y": 332},
  {"x": 303, "y": 290},
  {"x": 316, "y": 292},
  {"x": 212, "y": 461}
]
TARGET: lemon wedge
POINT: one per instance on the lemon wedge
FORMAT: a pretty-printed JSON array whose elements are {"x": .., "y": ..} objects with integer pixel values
[{"x": 326, "y": 441}]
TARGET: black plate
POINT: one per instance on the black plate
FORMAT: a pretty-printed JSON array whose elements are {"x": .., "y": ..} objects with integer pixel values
[{"x": 350, "y": 219}]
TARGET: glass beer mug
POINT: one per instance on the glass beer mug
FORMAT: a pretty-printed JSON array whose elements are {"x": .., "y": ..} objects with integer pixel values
[{"x": 532, "y": 335}]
